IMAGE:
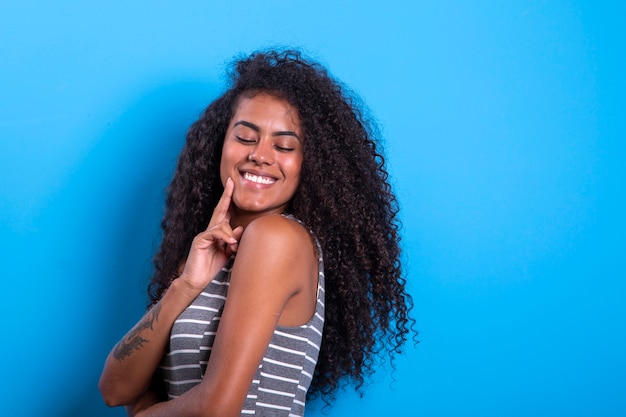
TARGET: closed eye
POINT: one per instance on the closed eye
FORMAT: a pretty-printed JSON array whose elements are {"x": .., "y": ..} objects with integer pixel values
[
  {"x": 245, "y": 140},
  {"x": 284, "y": 148}
]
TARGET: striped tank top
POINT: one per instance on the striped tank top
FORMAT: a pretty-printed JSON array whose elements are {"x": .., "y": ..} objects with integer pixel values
[{"x": 284, "y": 375}]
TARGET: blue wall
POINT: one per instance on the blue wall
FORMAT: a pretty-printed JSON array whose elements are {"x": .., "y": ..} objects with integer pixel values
[{"x": 506, "y": 143}]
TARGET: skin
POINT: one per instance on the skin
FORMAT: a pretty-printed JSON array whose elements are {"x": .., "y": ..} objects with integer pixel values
[
  {"x": 262, "y": 153},
  {"x": 273, "y": 280}
]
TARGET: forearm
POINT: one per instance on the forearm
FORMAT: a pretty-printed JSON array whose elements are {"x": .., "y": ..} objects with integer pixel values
[
  {"x": 197, "y": 402},
  {"x": 162, "y": 409},
  {"x": 132, "y": 362},
  {"x": 144, "y": 401}
]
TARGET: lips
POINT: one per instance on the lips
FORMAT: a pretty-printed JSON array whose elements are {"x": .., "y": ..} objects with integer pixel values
[{"x": 258, "y": 179}]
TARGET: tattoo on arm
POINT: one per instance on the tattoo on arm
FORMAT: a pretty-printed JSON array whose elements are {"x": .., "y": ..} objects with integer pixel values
[{"x": 133, "y": 341}]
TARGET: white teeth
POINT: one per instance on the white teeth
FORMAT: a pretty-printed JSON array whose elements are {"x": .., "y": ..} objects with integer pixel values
[{"x": 258, "y": 179}]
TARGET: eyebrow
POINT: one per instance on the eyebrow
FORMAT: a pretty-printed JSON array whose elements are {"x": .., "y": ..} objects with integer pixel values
[{"x": 258, "y": 129}]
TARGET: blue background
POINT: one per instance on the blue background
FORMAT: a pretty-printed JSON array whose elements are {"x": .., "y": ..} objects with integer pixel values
[{"x": 505, "y": 137}]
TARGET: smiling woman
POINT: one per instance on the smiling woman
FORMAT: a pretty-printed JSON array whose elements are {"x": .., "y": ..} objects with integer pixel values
[{"x": 286, "y": 293}]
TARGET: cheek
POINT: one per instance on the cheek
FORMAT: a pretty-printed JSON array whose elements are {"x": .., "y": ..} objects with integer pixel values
[
  {"x": 225, "y": 166},
  {"x": 296, "y": 170}
]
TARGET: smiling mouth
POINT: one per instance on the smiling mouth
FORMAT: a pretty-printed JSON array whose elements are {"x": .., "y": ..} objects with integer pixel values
[{"x": 259, "y": 179}]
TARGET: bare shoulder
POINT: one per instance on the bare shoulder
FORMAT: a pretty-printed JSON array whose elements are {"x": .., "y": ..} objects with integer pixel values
[
  {"x": 276, "y": 231},
  {"x": 277, "y": 251}
]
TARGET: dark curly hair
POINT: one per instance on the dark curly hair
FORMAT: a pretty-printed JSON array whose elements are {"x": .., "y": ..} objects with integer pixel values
[{"x": 344, "y": 197}]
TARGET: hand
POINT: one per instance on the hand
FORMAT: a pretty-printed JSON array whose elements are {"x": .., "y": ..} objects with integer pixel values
[{"x": 212, "y": 248}]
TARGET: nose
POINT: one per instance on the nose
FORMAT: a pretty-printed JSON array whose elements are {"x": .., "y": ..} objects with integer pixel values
[{"x": 261, "y": 153}]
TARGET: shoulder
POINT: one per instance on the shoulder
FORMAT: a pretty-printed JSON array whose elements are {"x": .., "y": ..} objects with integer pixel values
[
  {"x": 275, "y": 230},
  {"x": 277, "y": 250}
]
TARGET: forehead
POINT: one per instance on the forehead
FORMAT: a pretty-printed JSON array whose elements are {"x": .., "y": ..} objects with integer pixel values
[{"x": 265, "y": 107}]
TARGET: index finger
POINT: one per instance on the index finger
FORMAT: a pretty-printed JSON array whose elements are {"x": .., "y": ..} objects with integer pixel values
[{"x": 222, "y": 209}]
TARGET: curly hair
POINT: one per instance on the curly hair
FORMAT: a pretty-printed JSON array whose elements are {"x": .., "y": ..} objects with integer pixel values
[{"x": 344, "y": 197}]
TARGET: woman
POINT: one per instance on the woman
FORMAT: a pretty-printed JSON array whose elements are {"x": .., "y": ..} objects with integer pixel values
[{"x": 284, "y": 170}]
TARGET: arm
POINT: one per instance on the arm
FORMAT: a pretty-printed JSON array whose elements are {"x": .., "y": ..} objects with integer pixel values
[
  {"x": 132, "y": 362},
  {"x": 155, "y": 393},
  {"x": 271, "y": 269},
  {"x": 126, "y": 373}
]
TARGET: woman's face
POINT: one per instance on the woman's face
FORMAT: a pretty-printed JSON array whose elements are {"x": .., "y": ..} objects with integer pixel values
[{"x": 262, "y": 153}]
